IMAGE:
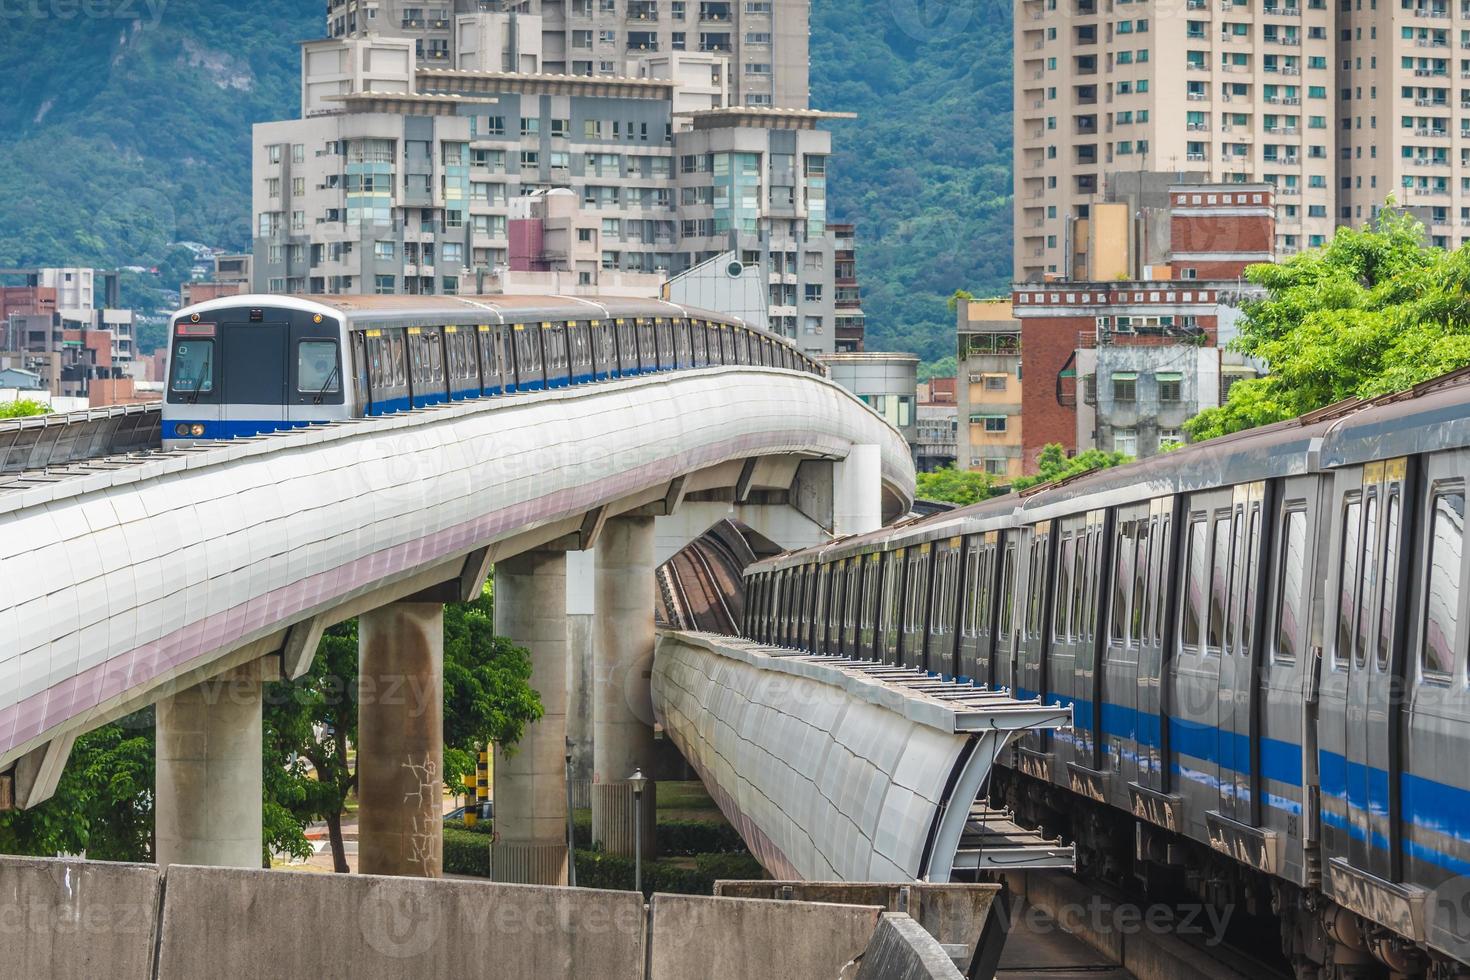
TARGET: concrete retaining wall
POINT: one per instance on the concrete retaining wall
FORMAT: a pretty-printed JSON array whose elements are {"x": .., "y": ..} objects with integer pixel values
[
  {"x": 753, "y": 939},
  {"x": 289, "y": 925},
  {"x": 902, "y": 950},
  {"x": 71, "y": 918}
]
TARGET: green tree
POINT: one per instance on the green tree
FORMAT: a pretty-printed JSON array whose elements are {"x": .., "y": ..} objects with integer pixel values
[
  {"x": 23, "y": 407},
  {"x": 945, "y": 367},
  {"x": 1053, "y": 464},
  {"x": 954, "y": 486},
  {"x": 103, "y": 805},
  {"x": 1372, "y": 312}
]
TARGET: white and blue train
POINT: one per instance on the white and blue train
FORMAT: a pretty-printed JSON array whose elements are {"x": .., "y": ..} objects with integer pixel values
[
  {"x": 246, "y": 365},
  {"x": 1263, "y": 639}
]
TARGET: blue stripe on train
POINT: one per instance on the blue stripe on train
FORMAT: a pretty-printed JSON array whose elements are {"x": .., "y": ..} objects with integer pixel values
[{"x": 1426, "y": 803}]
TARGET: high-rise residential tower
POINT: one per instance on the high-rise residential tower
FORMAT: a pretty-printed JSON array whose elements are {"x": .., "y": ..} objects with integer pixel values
[
  {"x": 765, "y": 41},
  {"x": 1232, "y": 90}
]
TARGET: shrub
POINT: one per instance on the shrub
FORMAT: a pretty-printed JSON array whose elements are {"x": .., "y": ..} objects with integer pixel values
[{"x": 466, "y": 852}]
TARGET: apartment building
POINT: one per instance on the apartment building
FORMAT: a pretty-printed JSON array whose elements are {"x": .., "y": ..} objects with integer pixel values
[
  {"x": 402, "y": 179},
  {"x": 52, "y": 326},
  {"x": 848, "y": 299},
  {"x": 764, "y": 42},
  {"x": 1236, "y": 91},
  {"x": 988, "y": 390}
]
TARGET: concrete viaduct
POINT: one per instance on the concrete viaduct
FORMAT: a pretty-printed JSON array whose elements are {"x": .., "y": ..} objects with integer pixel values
[{"x": 189, "y": 578}]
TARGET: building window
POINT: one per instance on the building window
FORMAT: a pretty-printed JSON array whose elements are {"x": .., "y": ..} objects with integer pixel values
[
  {"x": 383, "y": 285},
  {"x": 995, "y": 382},
  {"x": 1125, "y": 387},
  {"x": 383, "y": 251},
  {"x": 1170, "y": 386},
  {"x": 813, "y": 292},
  {"x": 275, "y": 153},
  {"x": 995, "y": 465},
  {"x": 1125, "y": 441}
]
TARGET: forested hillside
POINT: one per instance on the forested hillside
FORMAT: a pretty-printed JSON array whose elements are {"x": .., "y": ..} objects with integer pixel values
[{"x": 126, "y": 133}]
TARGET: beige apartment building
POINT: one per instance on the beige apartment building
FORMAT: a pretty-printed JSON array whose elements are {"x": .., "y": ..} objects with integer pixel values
[
  {"x": 988, "y": 389},
  {"x": 764, "y": 42},
  {"x": 1238, "y": 91}
]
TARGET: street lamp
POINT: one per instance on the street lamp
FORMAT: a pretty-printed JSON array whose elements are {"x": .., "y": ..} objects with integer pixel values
[
  {"x": 638, "y": 780},
  {"x": 571, "y": 832}
]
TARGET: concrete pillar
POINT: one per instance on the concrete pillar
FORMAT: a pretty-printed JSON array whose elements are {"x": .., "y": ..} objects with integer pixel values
[
  {"x": 530, "y": 781},
  {"x": 207, "y": 782},
  {"x": 581, "y": 627},
  {"x": 622, "y": 704},
  {"x": 400, "y": 740},
  {"x": 857, "y": 491}
]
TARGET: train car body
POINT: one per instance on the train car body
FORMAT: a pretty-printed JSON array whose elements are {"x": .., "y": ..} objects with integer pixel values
[
  {"x": 1263, "y": 642},
  {"x": 249, "y": 365}
]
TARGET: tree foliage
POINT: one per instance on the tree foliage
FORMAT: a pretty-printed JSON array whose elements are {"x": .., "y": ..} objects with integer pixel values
[
  {"x": 103, "y": 805},
  {"x": 1372, "y": 312},
  {"x": 1052, "y": 464},
  {"x": 954, "y": 486},
  {"x": 23, "y": 407}
]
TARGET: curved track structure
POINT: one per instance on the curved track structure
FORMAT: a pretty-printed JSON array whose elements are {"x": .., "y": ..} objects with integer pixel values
[{"x": 121, "y": 586}]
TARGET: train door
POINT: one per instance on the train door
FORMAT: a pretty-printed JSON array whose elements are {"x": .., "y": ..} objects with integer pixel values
[
  {"x": 489, "y": 354},
  {"x": 1002, "y": 667},
  {"x": 604, "y": 349},
  {"x": 362, "y": 389},
  {"x": 915, "y": 586},
  {"x": 1148, "y": 717},
  {"x": 579, "y": 351},
  {"x": 1195, "y": 671},
  {"x": 889, "y": 606},
  {"x": 1235, "y": 707},
  {"x": 555, "y": 353},
  {"x": 1033, "y": 620},
  {"x": 967, "y": 642},
  {"x": 647, "y": 344},
  {"x": 946, "y": 582},
  {"x": 1069, "y": 676},
  {"x": 1371, "y": 727},
  {"x": 525, "y": 343},
  {"x": 821, "y": 608},
  {"x": 1099, "y": 659},
  {"x": 865, "y": 642},
  {"x": 683, "y": 352},
  {"x": 1437, "y": 716},
  {"x": 852, "y": 583},
  {"x": 663, "y": 341},
  {"x": 253, "y": 372}
]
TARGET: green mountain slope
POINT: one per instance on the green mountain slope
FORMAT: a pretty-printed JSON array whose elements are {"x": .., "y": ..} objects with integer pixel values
[
  {"x": 127, "y": 134},
  {"x": 925, "y": 169}
]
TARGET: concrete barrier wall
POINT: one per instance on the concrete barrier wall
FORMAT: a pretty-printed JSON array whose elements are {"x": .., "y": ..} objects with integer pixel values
[
  {"x": 902, "y": 950},
  {"x": 954, "y": 914},
  {"x": 754, "y": 939},
  {"x": 73, "y": 919},
  {"x": 220, "y": 922}
]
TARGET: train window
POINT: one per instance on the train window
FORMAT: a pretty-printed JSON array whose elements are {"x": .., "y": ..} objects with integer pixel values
[
  {"x": 1369, "y": 571},
  {"x": 1292, "y": 564},
  {"x": 1348, "y": 581},
  {"x": 1007, "y": 589},
  {"x": 1034, "y": 587},
  {"x": 194, "y": 366},
  {"x": 316, "y": 367},
  {"x": 1219, "y": 583},
  {"x": 1161, "y": 572},
  {"x": 1061, "y": 620},
  {"x": 1079, "y": 576},
  {"x": 1442, "y": 598},
  {"x": 1123, "y": 553},
  {"x": 1140, "y": 577},
  {"x": 1197, "y": 561},
  {"x": 1390, "y": 580},
  {"x": 1252, "y": 547},
  {"x": 1238, "y": 556}
]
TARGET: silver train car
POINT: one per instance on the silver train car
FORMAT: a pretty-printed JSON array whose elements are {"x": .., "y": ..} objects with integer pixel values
[
  {"x": 247, "y": 365},
  {"x": 1263, "y": 639}
]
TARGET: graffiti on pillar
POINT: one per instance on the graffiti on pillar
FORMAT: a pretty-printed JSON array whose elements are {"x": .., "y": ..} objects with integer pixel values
[{"x": 425, "y": 792}]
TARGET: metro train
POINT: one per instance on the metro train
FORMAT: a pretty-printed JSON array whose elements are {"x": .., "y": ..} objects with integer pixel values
[
  {"x": 247, "y": 365},
  {"x": 1263, "y": 639}
]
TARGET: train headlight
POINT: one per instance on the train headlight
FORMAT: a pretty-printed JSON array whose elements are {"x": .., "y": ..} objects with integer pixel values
[
  {"x": 196, "y": 430},
  {"x": 182, "y": 429}
]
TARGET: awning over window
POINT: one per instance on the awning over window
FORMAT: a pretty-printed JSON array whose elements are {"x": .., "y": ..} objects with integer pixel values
[
  {"x": 1169, "y": 376},
  {"x": 1125, "y": 375}
]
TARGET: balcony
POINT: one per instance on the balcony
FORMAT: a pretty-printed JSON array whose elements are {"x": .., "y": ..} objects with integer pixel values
[
  {"x": 642, "y": 10},
  {"x": 1428, "y": 43},
  {"x": 1431, "y": 132},
  {"x": 1288, "y": 11},
  {"x": 1431, "y": 14},
  {"x": 1196, "y": 96},
  {"x": 1198, "y": 127}
]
